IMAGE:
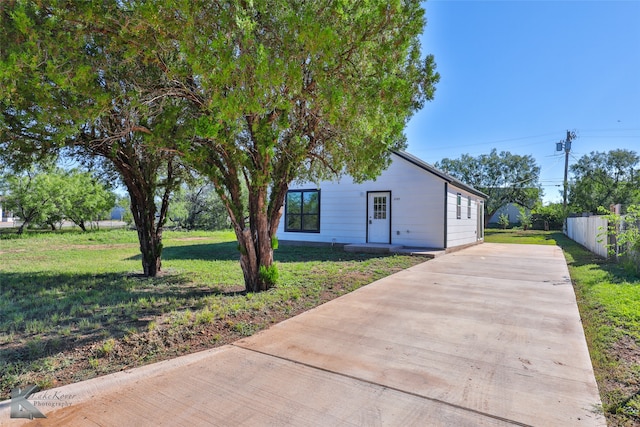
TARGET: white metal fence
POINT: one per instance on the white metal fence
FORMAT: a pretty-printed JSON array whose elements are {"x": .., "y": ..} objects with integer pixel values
[{"x": 590, "y": 232}]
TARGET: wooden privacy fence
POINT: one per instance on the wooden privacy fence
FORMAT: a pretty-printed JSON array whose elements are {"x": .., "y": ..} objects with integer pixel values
[{"x": 590, "y": 232}]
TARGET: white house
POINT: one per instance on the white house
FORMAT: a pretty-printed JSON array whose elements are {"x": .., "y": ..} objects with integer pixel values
[{"x": 411, "y": 204}]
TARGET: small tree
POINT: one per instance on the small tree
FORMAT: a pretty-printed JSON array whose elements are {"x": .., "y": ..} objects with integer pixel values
[
  {"x": 57, "y": 189},
  {"x": 549, "y": 217},
  {"x": 33, "y": 196},
  {"x": 625, "y": 230},
  {"x": 503, "y": 220},
  {"x": 525, "y": 218},
  {"x": 86, "y": 199},
  {"x": 48, "y": 197}
]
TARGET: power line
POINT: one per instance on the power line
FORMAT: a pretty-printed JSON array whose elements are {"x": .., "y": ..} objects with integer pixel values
[
  {"x": 607, "y": 130},
  {"x": 583, "y": 133},
  {"x": 499, "y": 141}
]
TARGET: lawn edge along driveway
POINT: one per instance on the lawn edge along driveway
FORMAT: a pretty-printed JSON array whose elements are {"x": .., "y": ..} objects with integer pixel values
[{"x": 490, "y": 335}]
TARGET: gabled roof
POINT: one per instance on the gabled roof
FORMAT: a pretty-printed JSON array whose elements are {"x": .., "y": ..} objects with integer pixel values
[{"x": 443, "y": 175}]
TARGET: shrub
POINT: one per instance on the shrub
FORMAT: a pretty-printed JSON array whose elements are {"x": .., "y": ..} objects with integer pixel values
[
  {"x": 626, "y": 232},
  {"x": 503, "y": 220},
  {"x": 269, "y": 275},
  {"x": 525, "y": 218}
]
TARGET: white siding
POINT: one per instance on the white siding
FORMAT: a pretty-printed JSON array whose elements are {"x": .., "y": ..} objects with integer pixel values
[
  {"x": 417, "y": 208},
  {"x": 463, "y": 230},
  {"x": 418, "y": 213}
]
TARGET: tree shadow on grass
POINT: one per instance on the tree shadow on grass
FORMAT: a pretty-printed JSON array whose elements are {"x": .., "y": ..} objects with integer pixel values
[
  {"x": 44, "y": 313},
  {"x": 228, "y": 251}
]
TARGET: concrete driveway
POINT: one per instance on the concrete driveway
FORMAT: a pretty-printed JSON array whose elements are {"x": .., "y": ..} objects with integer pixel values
[{"x": 488, "y": 336}]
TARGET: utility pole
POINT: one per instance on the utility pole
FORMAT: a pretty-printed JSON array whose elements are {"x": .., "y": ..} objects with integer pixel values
[
  {"x": 566, "y": 146},
  {"x": 567, "y": 149}
]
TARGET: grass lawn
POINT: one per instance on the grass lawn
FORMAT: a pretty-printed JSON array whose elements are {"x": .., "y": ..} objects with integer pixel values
[
  {"x": 73, "y": 305},
  {"x": 609, "y": 303}
]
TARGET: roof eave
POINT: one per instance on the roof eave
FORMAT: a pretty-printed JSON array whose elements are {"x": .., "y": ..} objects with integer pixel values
[{"x": 443, "y": 175}]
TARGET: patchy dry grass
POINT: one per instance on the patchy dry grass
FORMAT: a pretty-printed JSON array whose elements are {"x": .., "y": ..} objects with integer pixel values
[{"x": 73, "y": 305}]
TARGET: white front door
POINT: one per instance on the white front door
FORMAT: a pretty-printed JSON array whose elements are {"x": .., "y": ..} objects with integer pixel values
[{"x": 379, "y": 217}]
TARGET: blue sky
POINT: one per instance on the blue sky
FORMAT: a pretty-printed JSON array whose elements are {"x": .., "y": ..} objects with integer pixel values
[{"x": 516, "y": 75}]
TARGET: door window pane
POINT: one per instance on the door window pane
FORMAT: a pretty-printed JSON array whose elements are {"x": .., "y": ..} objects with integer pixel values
[{"x": 379, "y": 207}]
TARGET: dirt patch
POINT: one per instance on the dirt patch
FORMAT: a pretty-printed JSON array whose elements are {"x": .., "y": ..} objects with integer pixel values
[
  {"x": 13, "y": 251},
  {"x": 98, "y": 247},
  {"x": 619, "y": 383},
  {"x": 156, "y": 338},
  {"x": 190, "y": 239},
  {"x": 627, "y": 350}
]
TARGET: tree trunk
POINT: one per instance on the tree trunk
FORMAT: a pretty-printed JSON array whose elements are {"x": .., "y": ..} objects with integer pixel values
[
  {"x": 151, "y": 250},
  {"x": 254, "y": 255},
  {"x": 143, "y": 210},
  {"x": 249, "y": 261},
  {"x": 256, "y": 251},
  {"x": 150, "y": 242}
]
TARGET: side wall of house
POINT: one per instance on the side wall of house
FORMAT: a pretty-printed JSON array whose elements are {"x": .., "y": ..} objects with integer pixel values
[
  {"x": 417, "y": 208},
  {"x": 468, "y": 228}
]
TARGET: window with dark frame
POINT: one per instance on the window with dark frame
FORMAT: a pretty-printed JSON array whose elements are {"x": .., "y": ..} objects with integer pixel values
[
  {"x": 302, "y": 211},
  {"x": 468, "y": 207},
  {"x": 459, "y": 206}
]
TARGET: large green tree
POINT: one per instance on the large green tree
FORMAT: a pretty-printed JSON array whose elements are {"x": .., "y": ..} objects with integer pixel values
[
  {"x": 34, "y": 195},
  {"x": 85, "y": 198},
  {"x": 602, "y": 179},
  {"x": 70, "y": 79},
  {"x": 268, "y": 93},
  {"x": 287, "y": 90},
  {"x": 49, "y": 195},
  {"x": 504, "y": 177}
]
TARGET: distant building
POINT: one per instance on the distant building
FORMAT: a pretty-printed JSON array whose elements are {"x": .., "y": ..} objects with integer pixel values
[
  {"x": 511, "y": 209},
  {"x": 117, "y": 213},
  {"x": 5, "y": 216}
]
